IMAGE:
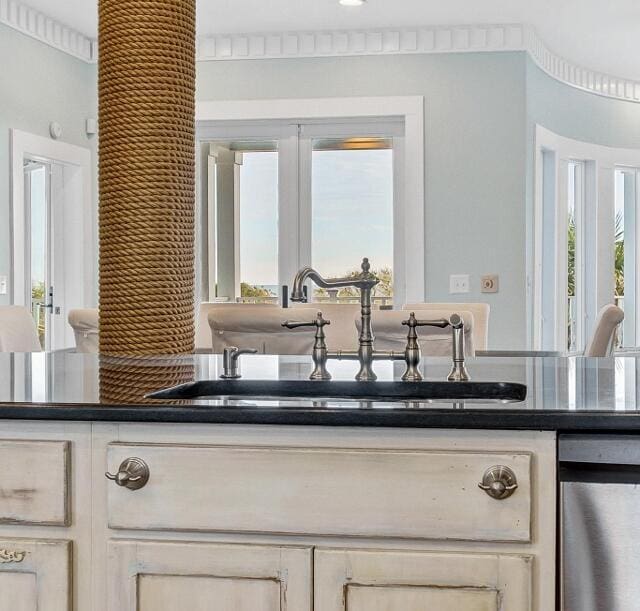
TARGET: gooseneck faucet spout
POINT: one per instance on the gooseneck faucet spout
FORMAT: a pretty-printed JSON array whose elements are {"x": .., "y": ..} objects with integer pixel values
[{"x": 365, "y": 281}]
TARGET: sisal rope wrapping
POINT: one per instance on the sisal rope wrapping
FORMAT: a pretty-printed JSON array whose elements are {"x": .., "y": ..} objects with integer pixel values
[
  {"x": 146, "y": 88},
  {"x": 126, "y": 380}
]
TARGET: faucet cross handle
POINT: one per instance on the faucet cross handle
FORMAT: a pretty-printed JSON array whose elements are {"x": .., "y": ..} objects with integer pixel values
[{"x": 320, "y": 353}]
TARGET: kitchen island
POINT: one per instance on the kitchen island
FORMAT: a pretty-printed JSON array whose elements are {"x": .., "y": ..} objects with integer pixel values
[{"x": 113, "y": 502}]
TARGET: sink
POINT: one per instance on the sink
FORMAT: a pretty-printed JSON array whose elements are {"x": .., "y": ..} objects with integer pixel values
[{"x": 485, "y": 392}]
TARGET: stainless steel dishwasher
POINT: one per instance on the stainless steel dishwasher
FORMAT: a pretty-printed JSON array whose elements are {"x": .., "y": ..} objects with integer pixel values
[{"x": 600, "y": 522}]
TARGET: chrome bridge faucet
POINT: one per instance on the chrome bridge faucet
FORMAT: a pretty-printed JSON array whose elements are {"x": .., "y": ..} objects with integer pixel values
[{"x": 366, "y": 354}]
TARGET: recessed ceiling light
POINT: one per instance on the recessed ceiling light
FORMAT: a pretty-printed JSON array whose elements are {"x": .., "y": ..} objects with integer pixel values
[{"x": 352, "y": 2}]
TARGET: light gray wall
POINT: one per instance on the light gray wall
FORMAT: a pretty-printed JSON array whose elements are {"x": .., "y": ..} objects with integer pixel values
[
  {"x": 475, "y": 155},
  {"x": 39, "y": 84}
]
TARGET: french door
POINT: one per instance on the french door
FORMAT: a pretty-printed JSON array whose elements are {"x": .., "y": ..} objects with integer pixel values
[
  {"x": 286, "y": 194},
  {"x": 42, "y": 284}
]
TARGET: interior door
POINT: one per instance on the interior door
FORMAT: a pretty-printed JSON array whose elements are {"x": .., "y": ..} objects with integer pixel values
[
  {"x": 162, "y": 576},
  {"x": 415, "y": 581}
]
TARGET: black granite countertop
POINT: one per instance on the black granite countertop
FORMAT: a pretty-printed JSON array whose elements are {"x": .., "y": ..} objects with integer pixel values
[{"x": 564, "y": 394}]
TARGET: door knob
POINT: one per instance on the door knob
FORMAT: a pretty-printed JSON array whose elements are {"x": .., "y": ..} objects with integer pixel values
[
  {"x": 133, "y": 474},
  {"x": 499, "y": 482}
]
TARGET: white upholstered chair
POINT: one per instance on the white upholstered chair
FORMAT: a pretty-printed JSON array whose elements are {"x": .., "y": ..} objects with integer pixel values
[
  {"x": 392, "y": 335},
  {"x": 480, "y": 313},
  {"x": 18, "y": 331},
  {"x": 203, "y": 331},
  {"x": 601, "y": 342},
  {"x": 84, "y": 322},
  {"x": 258, "y": 326},
  {"x": 341, "y": 334}
]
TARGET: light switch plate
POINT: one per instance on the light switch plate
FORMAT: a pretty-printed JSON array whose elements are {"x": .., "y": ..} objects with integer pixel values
[
  {"x": 489, "y": 283},
  {"x": 459, "y": 283},
  {"x": 3, "y": 285}
]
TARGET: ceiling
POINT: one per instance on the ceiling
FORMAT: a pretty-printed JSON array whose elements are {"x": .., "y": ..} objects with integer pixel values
[{"x": 596, "y": 34}]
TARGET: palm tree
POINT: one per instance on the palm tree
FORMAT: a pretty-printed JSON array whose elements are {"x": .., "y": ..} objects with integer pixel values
[{"x": 619, "y": 255}]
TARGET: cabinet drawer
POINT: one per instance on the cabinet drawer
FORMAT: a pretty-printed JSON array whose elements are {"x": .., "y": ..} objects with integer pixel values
[
  {"x": 34, "y": 482},
  {"x": 373, "y": 493}
]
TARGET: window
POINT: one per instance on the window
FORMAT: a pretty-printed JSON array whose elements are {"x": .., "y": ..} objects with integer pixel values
[
  {"x": 575, "y": 269},
  {"x": 285, "y": 195},
  {"x": 625, "y": 254},
  {"x": 352, "y": 212},
  {"x": 584, "y": 236}
]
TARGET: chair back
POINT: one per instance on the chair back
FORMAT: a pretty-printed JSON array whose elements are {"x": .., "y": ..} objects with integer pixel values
[
  {"x": 601, "y": 342},
  {"x": 480, "y": 313},
  {"x": 18, "y": 331},
  {"x": 341, "y": 333},
  {"x": 84, "y": 322},
  {"x": 203, "y": 331},
  {"x": 260, "y": 327},
  {"x": 392, "y": 335}
]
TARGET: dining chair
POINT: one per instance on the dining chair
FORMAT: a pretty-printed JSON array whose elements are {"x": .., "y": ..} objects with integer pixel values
[
  {"x": 84, "y": 322},
  {"x": 18, "y": 331},
  {"x": 601, "y": 342}
]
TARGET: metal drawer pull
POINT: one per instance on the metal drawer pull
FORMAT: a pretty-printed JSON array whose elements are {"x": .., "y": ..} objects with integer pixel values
[
  {"x": 499, "y": 482},
  {"x": 133, "y": 474}
]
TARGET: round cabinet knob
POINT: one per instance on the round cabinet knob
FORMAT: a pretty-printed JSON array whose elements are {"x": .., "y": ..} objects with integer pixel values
[
  {"x": 499, "y": 482},
  {"x": 133, "y": 474}
]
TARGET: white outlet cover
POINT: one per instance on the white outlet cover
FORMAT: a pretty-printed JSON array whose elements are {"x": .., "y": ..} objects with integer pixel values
[
  {"x": 458, "y": 283},
  {"x": 3, "y": 285}
]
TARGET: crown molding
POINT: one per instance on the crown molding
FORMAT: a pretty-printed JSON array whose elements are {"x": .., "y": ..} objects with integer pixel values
[
  {"x": 49, "y": 31},
  {"x": 344, "y": 43},
  {"x": 426, "y": 40}
]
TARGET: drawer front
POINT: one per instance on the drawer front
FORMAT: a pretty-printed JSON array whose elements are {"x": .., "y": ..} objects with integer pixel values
[
  {"x": 374, "y": 493},
  {"x": 34, "y": 482}
]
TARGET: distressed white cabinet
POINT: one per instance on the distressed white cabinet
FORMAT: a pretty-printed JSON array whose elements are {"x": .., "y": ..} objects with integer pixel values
[
  {"x": 165, "y": 576},
  {"x": 376, "y": 580},
  {"x": 35, "y": 575}
]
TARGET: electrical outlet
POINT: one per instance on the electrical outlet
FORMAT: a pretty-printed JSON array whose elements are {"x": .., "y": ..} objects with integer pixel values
[
  {"x": 489, "y": 283},
  {"x": 4, "y": 282},
  {"x": 459, "y": 283}
]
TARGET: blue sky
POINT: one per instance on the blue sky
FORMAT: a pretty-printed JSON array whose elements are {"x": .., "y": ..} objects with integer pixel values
[{"x": 352, "y": 194}]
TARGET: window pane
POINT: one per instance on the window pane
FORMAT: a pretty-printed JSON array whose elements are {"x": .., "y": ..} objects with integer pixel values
[
  {"x": 620, "y": 200},
  {"x": 572, "y": 304},
  {"x": 36, "y": 175},
  {"x": 258, "y": 214},
  {"x": 352, "y": 217},
  {"x": 243, "y": 208}
]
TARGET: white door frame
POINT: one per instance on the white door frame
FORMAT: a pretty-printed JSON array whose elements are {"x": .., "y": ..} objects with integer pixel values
[
  {"x": 600, "y": 164},
  {"x": 76, "y": 208},
  {"x": 409, "y": 217}
]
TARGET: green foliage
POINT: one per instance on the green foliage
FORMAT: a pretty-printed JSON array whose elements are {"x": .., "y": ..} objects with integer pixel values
[
  {"x": 383, "y": 289},
  {"x": 249, "y": 290},
  {"x": 619, "y": 256}
]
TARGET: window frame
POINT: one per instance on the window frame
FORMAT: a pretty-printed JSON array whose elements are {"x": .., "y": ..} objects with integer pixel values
[
  {"x": 547, "y": 264},
  {"x": 215, "y": 120}
]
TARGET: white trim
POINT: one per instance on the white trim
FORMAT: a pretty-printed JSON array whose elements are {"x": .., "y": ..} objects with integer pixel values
[
  {"x": 467, "y": 38},
  {"x": 79, "y": 251},
  {"x": 409, "y": 234},
  {"x": 49, "y": 31},
  {"x": 599, "y": 218},
  {"x": 478, "y": 38}
]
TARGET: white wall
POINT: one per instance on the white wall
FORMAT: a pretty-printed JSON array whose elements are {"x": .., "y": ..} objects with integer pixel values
[
  {"x": 475, "y": 155},
  {"x": 39, "y": 84}
]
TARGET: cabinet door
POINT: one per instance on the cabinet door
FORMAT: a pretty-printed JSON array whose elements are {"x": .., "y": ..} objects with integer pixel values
[
  {"x": 35, "y": 575},
  {"x": 165, "y": 576},
  {"x": 415, "y": 581}
]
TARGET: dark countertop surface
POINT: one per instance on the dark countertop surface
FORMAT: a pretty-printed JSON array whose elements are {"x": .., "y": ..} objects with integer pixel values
[{"x": 564, "y": 394}]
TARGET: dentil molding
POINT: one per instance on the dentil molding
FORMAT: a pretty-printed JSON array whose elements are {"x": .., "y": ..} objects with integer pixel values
[
  {"x": 49, "y": 31},
  {"x": 343, "y": 43}
]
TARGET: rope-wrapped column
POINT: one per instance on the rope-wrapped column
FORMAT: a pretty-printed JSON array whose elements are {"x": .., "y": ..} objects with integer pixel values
[{"x": 147, "y": 182}]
